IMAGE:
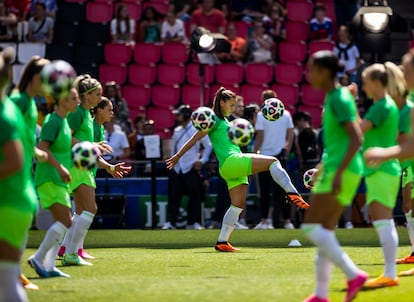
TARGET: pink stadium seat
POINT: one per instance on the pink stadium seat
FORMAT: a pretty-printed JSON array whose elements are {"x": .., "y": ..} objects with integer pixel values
[
  {"x": 311, "y": 96},
  {"x": 159, "y": 6},
  {"x": 297, "y": 31},
  {"x": 174, "y": 53},
  {"x": 115, "y": 73},
  {"x": 117, "y": 53},
  {"x": 134, "y": 9},
  {"x": 193, "y": 76},
  {"x": 252, "y": 93},
  {"x": 242, "y": 28},
  {"x": 315, "y": 46},
  {"x": 99, "y": 12},
  {"x": 259, "y": 73},
  {"x": 288, "y": 73},
  {"x": 165, "y": 96},
  {"x": 288, "y": 94},
  {"x": 147, "y": 53},
  {"x": 299, "y": 10},
  {"x": 170, "y": 74},
  {"x": 191, "y": 96},
  {"x": 142, "y": 74},
  {"x": 137, "y": 96},
  {"x": 229, "y": 74},
  {"x": 315, "y": 112},
  {"x": 292, "y": 52},
  {"x": 162, "y": 117}
]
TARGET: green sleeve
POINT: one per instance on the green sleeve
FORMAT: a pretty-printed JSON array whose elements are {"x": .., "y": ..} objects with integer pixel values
[
  {"x": 404, "y": 125},
  {"x": 50, "y": 130},
  {"x": 8, "y": 132},
  {"x": 20, "y": 102},
  {"x": 75, "y": 119},
  {"x": 344, "y": 108},
  {"x": 377, "y": 114}
]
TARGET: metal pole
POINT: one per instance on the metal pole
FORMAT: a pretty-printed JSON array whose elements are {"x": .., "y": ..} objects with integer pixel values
[
  {"x": 153, "y": 193},
  {"x": 201, "y": 72}
]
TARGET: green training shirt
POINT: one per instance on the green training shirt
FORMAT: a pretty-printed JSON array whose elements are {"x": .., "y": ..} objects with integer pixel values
[
  {"x": 222, "y": 145},
  {"x": 55, "y": 130},
  {"x": 81, "y": 123},
  {"x": 384, "y": 116},
  {"x": 404, "y": 125},
  {"x": 339, "y": 108},
  {"x": 98, "y": 132}
]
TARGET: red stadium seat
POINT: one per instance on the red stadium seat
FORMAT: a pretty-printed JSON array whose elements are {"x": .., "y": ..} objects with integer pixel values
[
  {"x": 252, "y": 93},
  {"x": 297, "y": 31},
  {"x": 229, "y": 74},
  {"x": 165, "y": 96},
  {"x": 259, "y": 73},
  {"x": 142, "y": 74},
  {"x": 193, "y": 73},
  {"x": 315, "y": 112},
  {"x": 137, "y": 96},
  {"x": 134, "y": 9},
  {"x": 299, "y": 10},
  {"x": 174, "y": 53},
  {"x": 288, "y": 94},
  {"x": 115, "y": 73},
  {"x": 117, "y": 53},
  {"x": 191, "y": 96},
  {"x": 292, "y": 52},
  {"x": 242, "y": 28},
  {"x": 160, "y": 6},
  {"x": 312, "y": 97},
  {"x": 288, "y": 73},
  {"x": 162, "y": 117},
  {"x": 315, "y": 46},
  {"x": 171, "y": 74},
  {"x": 147, "y": 53},
  {"x": 99, "y": 12}
]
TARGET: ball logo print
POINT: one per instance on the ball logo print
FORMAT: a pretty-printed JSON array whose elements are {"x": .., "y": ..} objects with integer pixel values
[
  {"x": 241, "y": 132},
  {"x": 85, "y": 156},
  {"x": 203, "y": 119},
  {"x": 272, "y": 109},
  {"x": 57, "y": 79},
  {"x": 308, "y": 178}
]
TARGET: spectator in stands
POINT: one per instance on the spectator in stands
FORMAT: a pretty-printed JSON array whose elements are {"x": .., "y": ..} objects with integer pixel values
[
  {"x": 51, "y": 7},
  {"x": 118, "y": 140},
  {"x": 238, "y": 45},
  {"x": 40, "y": 26},
  {"x": 172, "y": 29},
  {"x": 183, "y": 9},
  {"x": 19, "y": 8},
  {"x": 122, "y": 27},
  {"x": 208, "y": 17},
  {"x": 112, "y": 92},
  {"x": 321, "y": 27},
  {"x": 348, "y": 54},
  {"x": 345, "y": 10},
  {"x": 247, "y": 10},
  {"x": 136, "y": 136},
  {"x": 8, "y": 24},
  {"x": 149, "y": 27},
  {"x": 275, "y": 23},
  {"x": 259, "y": 46}
]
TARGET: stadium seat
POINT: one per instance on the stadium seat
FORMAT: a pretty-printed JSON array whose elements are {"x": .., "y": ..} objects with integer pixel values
[
  {"x": 134, "y": 9},
  {"x": 174, "y": 53},
  {"x": 297, "y": 31},
  {"x": 299, "y": 10},
  {"x": 59, "y": 52},
  {"x": 315, "y": 46},
  {"x": 312, "y": 97},
  {"x": 91, "y": 69},
  {"x": 71, "y": 13},
  {"x": 229, "y": 74},
  {"x": 315, "y": 112},
  {"x": 142, "y": 74},
  {"x": 117, "y": 53},
  {"x": 88, "y": 54},
  {"x": 162, "y": 117},
  {"x": 160, "y": 6},
  {"x": 99, "y": 12},
  {"x": 25, "y": 51},
  {"x": 193, "y": 73},
  {"x": 252, "y": 93},
  {"x": 17, "y": 71},
  {"x": 115, "y": 73},
  {"x": 66, "y": 34},
  {"x": 147, "y": 53},
  {"x": 288, "y": 94},
  {"x": 137, "y": 96},
  {"x": 242, "y": 28},
  {"x": 259, "y": 73},
  {"x": 76, "y": 1},
  {"x": 169, "y": 74},
  {"x": 292, "y": 52},
  {"x": 288, "y": 73},
  {"x": 191, "y": 96},
  {"x": 94, "y": 33},
  {"x": 165, "y": 96}
]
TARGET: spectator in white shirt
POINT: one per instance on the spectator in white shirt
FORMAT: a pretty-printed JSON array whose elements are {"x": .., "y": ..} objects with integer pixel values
[
  {"x": 185, "y": 177},
  {"x": 122, "y": 26},
  {"x": 118, "y": 140},
  {"x": 172, "y": 29},
  {"x": 40, "y": 25}
]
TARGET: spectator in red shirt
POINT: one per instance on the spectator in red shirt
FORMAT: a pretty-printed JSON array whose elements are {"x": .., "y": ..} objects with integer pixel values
[
  {"x": 20, "y": 8},
  {"x": 208, "y": 17}
]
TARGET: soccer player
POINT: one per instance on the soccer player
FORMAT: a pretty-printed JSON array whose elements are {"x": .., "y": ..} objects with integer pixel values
[
  {"x": 235, "y": 167},
  {"x": 52, "y": 182},
  {"x": 380, "y": 127},
  {"x": 18, "y": 197},
  {"x": 102, "y": 113},
  {"x": 340, "y": 174}
]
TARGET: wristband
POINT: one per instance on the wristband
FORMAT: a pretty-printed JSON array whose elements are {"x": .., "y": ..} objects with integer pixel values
[{"x": 112, "y": 168}]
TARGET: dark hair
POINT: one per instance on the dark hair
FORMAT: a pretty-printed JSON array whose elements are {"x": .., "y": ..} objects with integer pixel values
[
  {"x": 118, "y": 19},
  {"x": 85, "y": 84},
  {"x": 222, "y": 94},
  {"x": 6, "y": 59},
  {"x": 144, "y": 13},
  {"x": 41, "y": 4},
  {"x": 268, "y": 94},
  {"x": 105, "y": 102},
  {"x": 32, "y": 68},
  {"x": 139, "y": 118},
  {"x": 114, "y": 85},
  {"x": 326, "y": 59},
  {"x": 302, "y": 115},
  {"x": 319, "y": 7}
]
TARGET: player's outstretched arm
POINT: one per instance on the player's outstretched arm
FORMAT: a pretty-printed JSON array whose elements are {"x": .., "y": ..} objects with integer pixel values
[{"x": 116, "y": 171}]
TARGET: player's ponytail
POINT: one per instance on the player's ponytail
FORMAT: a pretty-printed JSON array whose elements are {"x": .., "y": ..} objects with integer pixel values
[
  {"x": 85, "y": 84},
  {"x": 396, "y": 82},
  {"x": 222, "y": 94},
  {"x": 32, "y": 68},
  {"x": 6, "y": 59}
]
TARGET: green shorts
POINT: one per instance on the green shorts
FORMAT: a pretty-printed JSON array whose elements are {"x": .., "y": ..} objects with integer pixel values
[
  {"x": 350, "y": 185},
  {"x": 14, "y": 226},
  {"x": 236, "y": 169},
  {"x": 50, "y": 193},
  {"x": 382, "y": 188},
  {"x": 81, "y": 177},
  {"x": 407, "y": 176}
]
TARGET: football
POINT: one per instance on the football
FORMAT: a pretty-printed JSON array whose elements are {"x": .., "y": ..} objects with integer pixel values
[
  {"x": 272, "y": 109},
  {"x": 85, "y": 156},
  {"x": 57, "y": 79},
  {"x": 308, "y": 178},
  {"x": 241, "y": 132},
  {"x": 203, "y": 119}
]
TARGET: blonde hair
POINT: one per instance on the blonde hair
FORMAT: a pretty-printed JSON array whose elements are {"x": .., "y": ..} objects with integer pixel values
[
  {"x": 389, "y": 75},
  {"x": 85, "y": 84},
  {"x": 6, "y": 58}
]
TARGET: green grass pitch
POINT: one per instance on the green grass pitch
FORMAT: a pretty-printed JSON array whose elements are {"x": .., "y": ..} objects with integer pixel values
[{"x": 183, "y": 266}]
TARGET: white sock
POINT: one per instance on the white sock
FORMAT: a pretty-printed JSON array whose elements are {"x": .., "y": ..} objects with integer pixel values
[
  {"x": 323, "y": 268},
  {"x": 80, "y": 229},
  {"x": 50, "y": 259},
  {"x": 229, "y": 222},
  {"x": 388, "y": 236},
  {"x": 54, "y": 235},
  {"x": 410, "y": 229},
  {"x": 69, "y": 232},
  {"x": 11, "y": 289},
  {"x": 329, "y": 246},
  {"x": 281, "y": 177}
]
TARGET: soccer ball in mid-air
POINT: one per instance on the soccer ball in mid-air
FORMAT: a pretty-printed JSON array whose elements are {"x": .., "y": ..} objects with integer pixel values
[
  {"x": 203, "y": 119},
  {"x": 272, "y": 109},
  {"x": 308, "y": 178},
  {"x": 241, "y": 132},
  {"x": 57, "y": 79},
  {"x": 85, "y": 155}
]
